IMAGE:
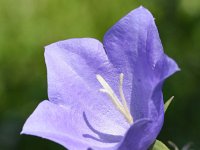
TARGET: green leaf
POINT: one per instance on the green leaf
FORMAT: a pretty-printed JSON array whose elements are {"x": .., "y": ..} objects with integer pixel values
[
  {"x": 158, "y": 145},
  {"x": 168, "y": 103}
]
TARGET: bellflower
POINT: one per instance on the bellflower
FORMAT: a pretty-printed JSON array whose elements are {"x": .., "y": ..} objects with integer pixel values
[{"x": 105, "y": 96}]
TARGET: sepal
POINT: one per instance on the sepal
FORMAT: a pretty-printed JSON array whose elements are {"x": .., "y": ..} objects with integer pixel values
[
  {"x": 158, "y": 145},
  {"x": 168, "y": 103}
]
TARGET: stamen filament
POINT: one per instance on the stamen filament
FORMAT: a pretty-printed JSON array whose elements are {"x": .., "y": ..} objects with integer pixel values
[
  {"x": 116, "y": 103},
  {"x": 123, "y": 97},
  {"x": 123, "y": 108},
  {"x": 121, "y": 91},
  {"x": 108, "y": 90}
]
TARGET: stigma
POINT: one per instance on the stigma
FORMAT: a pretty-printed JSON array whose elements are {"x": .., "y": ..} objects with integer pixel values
[{"x": 121, "y": 106}]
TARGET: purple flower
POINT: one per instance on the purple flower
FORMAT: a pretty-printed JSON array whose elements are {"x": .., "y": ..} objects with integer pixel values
[{"x": 105, "y": 96}]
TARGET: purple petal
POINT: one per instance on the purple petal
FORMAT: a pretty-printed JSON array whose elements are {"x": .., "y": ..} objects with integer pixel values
[
  {"x": 62, "y": 125},
  {"x": 140, "y": 136},
  {"x": 134, "y": 47},
  {"x": 72, "y": 66}
]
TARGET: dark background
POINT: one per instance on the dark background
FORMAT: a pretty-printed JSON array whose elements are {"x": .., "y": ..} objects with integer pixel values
[{"x": 26, "y": 26}]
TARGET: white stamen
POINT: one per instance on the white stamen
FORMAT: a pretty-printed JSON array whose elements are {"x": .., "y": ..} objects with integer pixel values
[
  {"x": 108, "y": 90},
  {"x": 123, "y": 97},
  {"x": 121, "y": 92},
  {"x": 122, "y": 107}
]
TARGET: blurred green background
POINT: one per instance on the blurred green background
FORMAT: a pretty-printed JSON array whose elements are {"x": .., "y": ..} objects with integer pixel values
[{"x": 26, "y": 26}]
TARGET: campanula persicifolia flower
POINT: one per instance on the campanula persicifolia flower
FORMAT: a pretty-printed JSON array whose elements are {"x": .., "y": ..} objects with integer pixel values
[{"x": 105, "y": 96}]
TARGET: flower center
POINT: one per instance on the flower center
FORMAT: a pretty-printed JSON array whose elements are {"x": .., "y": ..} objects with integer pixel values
[{"x": 120, "y": 105}]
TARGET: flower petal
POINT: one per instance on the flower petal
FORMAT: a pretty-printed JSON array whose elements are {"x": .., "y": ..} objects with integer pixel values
[
  {"x": 134, "y": 47},
  {"x": 140, "y": 136},
  {"x": 72, "y": 66},
  {"x": 62, "y": 125}
]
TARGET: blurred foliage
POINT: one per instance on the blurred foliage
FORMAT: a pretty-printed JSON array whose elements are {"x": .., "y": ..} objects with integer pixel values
[{"x": 26, "y": 26}]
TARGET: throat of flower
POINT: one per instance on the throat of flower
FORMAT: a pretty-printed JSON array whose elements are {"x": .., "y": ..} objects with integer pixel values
[{"x": 120, "y": 105}]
